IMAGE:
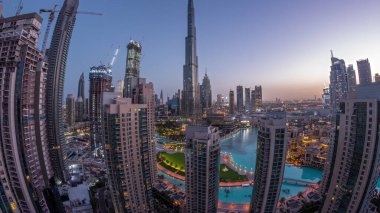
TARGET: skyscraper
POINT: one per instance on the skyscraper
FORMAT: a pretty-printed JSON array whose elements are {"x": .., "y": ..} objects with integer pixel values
[
  {"x": 130, "y": 149},
  {"x": 100, "y": 82},
  {"x": 364, "y": 70},
  {"x": 232, "y": 102},
  {"x": 70, "y": 110},
  {"x": 377, "y": 77},
  {"x": 25, "y": 166},
  {"x": 202, "y": 158},
  {"x": 248, "y": 99},
  {"x": 239, "y": 99},
  {"x": 253, "y": 101},
  {"x": 270, "y": 162},
  {"x": 326, "y": 98},
  {"x": 57, "y": 58},
  {"x": 206, "y": 93},
  {"x": 132, "y": 71},
  {"x": 338, "y": 83},
  {"x": 81, "y": 87},
  {"x": 259, "y": 97},
  {"x": 353, "y": 172},
  {"x": 190, "y": 93},
  {"x": 79, "y": 110},
  {"x": 351, "y": 78}
]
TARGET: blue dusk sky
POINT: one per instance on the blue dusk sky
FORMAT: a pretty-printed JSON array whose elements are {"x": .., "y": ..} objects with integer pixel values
[{"x": 283, "y": 45}]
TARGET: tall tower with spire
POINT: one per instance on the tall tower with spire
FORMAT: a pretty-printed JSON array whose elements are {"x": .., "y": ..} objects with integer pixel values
[{"x": 191, "y": 92}]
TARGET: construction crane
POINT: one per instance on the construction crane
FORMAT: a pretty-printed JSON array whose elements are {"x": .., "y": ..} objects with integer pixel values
[
  {"x": 51, "y": 19},
  {"x": 19, "y": 8},
  {"x": 113, "y": 61}
]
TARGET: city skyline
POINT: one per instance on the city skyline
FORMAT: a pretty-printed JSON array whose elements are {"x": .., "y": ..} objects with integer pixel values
[{"x": 259, "y": 42}]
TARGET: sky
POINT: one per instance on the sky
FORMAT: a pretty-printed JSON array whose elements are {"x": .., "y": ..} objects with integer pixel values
[{"x": 282, "y": 45}]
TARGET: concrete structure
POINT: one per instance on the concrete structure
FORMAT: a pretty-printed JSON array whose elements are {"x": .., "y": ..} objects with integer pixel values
[
  {"x": 202, "y": 158},
  {"x": 132, "y": 72},
  {"x": 57, "y": 57},
  {"x": 364, "y": 70},
  {"x": 270, "y": 162},
  {"x": 191, "y": 91},
  {"x": 232, "y": 102},
  {"x": 326, "y": 101},
  {"x": 25, "y": 166},
  {"x": 239, "y": 99},
  {"x": 248, "y": 99},
  {"x": 130, "y": 150},
  {"x": 253, "y": 101},
  {"x": 81, "y": 87},
  {"x": 70, "y": 110},
  {"x": 206, "y": 93},
  {"x": 351, "y": 79},
  {"x": 377, "y": 78},
  {"x": 354, "y": 166},
  {"x": 338, "y": 83},
  {"x": 100, "y": 82},
  {"x": 79, "y": 110},
  {"x": 259, "y": 98}
]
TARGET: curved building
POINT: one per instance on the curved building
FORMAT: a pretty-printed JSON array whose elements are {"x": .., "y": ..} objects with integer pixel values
[{"x": 57, "y": 57}]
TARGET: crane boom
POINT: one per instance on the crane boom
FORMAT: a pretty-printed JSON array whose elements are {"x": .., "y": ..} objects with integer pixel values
[
  {"x": 113, "y": 61},
  {"x": 19, "y": 8}
]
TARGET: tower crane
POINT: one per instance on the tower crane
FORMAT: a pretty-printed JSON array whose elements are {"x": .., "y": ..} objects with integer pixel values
[
  {"x": 19, "y": 8},
  {"x": 51, "y": 19},
  {"x": 113, "y": 61}
]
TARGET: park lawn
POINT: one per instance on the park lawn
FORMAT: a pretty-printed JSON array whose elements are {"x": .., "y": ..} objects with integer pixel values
[
  {"x": 176, "y": 160},
  {"x": 230, "y": 175}
]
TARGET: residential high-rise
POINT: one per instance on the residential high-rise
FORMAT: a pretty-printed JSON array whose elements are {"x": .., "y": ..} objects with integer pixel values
[
  {"x": 253, "y": 101},
  {"x": 364, "y": 70},
  {"x": 206, "y": 93},
  {"x": 338, "y": 83},
  {"x": 248, "y": 99},
  {"x": 259, "y": 98},
  {"x": 100, "y": 82},
  {"x": 270, "y": 162},
  {"x": 70, "y": 110},
  {"x": 326, "y": 98},
  {"x": 219, "y": 99},
  {"x": 190, "y": 93},
  {"x": 25, "y": 165},
  {"x": 81, "y": 87},
  {"x": 79, "y": 110},
  {"x": 57, "y": 58},
  {"x": 239, "y": 99},
  {"x": 130, "y": 149},
  {"x": 132, "y": 72},
  {"x": 353, "y": 170},
  {"x": 377, "y": 77},
  {"x": 202, "y": 158},
  {"x": 232, "y": 102},
  {"x": 351, "y": 78}
]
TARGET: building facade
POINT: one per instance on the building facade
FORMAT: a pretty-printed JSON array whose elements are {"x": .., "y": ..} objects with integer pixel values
[
  {"x": 258, "y": 98},
  {"x": 79, "y": 110},
  {"x": 247, "y": 99},
  {"x": 377, "y": 78},
  {"x": 364, "y": 70},
  {"x": 354, "y": 166},
  {"x": 231, "y": 102},
  {"x": 253, "y": 101},
  {"x": 338, "y": 83},
  {"x": 130, "y": 150},
  {"x": 202, "y": 158},
  {"x": 81, "y": 87},
  {"x": 351, "y": 79},
  {"x": 57, "y": 57},
  {"x": 25, "y": 165},
  {"x": 132, "y": 72},
  {"x": 270, "y": 162},
  {"x": 191, "y": 106},
  {"x": 70, "y": 110},
  {"x": 239, "y": 99},
  {"x": 206, "y": 93},
  {"x": 100, "y": 82}
]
